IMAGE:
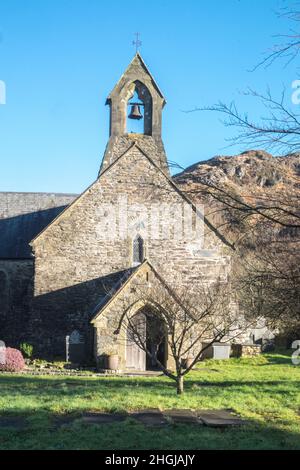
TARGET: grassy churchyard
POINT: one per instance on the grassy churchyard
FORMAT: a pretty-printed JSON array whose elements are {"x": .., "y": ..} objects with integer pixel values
[{"x": 44, "y": 412}]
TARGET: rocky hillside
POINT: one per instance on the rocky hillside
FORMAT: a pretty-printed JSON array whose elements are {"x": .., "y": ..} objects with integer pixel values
[{"x": 253, "y": 171}]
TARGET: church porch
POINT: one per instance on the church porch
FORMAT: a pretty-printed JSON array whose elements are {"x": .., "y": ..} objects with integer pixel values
[{"x": 124, "y": 318}]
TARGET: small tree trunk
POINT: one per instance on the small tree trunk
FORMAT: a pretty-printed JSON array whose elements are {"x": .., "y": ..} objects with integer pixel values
[{"x": 179, "y": 382}]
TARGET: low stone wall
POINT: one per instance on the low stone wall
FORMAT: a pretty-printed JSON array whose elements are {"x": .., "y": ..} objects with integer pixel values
[
  {"x": 54, "y": 372},
  {"x": 245, "y": 350}
]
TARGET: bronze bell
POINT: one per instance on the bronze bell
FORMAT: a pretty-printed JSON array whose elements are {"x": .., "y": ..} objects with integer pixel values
[{"x": 135, "y": 112}]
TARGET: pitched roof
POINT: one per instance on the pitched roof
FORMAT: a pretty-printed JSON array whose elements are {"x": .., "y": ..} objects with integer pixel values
[
  {"x": 23, "y": 216},
  {"x": 107, "y": 295},
  {"x": 121, "y": 284},
  {"x": 126, "y": 282}
]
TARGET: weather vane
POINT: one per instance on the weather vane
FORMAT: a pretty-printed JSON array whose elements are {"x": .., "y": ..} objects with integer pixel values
[{"x": 137, "y": 42}]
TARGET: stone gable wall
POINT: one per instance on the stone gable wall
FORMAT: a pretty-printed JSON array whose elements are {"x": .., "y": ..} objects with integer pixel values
[
  {"x": 72, "y": 258},
  {"x": 117, "y": 146}
]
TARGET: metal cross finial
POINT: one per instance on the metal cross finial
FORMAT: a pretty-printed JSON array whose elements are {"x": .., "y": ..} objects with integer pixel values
[{"x": 137, "y": 43}]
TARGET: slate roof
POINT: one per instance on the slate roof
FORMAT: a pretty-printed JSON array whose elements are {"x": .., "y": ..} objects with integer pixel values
[
  {"x": 109, "y": 291},
  {"x": 124, "y": 279},
  {"x": 23, "y": 216}
]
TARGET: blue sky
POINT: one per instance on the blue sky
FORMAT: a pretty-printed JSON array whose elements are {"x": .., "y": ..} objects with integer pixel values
[{"x": 60, "y": 59}]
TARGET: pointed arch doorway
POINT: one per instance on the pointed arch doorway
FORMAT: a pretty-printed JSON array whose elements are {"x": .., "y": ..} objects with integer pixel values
[{"x": 149, "y": 328}]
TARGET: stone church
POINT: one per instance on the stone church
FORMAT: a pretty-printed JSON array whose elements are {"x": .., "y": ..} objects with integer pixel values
[{"x": 67, "y": 262}]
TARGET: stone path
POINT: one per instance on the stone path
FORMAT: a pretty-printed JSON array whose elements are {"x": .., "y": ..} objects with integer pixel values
[{"x": 156, "y": 417}]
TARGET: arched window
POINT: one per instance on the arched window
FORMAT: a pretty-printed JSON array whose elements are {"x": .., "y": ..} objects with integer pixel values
[{"x": 138, "y": 250}]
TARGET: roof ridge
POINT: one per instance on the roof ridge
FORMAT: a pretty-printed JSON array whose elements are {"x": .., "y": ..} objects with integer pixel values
[{"x": 39, "y": 192}]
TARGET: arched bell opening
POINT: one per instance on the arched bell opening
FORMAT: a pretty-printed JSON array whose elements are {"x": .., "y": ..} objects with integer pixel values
[
  {"x": 135, "y": 115},
  {"x": 139, "y": 109}
]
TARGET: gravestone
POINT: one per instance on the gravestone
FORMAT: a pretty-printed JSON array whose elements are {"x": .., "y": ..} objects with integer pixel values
[
  {"x": 2, "y": 352},
  {"x": 216, "y": 351},
  {"x": 75, "y": 348},
  {"x": 179, "y": 416},
  {"x": 103, "y": 418},
  {"x": 219, "y": 418},
  {"x": 12, "y": 422}
]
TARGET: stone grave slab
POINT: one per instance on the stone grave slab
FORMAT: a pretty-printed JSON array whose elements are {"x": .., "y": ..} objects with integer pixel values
[
  {"x": 179, "y": 416},
  {"x": 150, "y": 417},
  {"x": 219, "y": 418},
  {"x": 7, "y": 422},
  {"x": 102, "y": 418},
  {"x": 76, "y": 383},
  {"x": 64, "y": 420}
]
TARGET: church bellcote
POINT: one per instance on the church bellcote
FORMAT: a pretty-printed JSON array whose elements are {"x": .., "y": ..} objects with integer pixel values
[{"x": 135, "y": 98}]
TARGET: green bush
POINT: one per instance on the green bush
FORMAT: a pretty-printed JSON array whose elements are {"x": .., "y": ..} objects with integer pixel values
[{"x": 27, "y": 350}]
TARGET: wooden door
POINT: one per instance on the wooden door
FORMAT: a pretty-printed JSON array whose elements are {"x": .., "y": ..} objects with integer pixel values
[{"x": 135, "y": 356}]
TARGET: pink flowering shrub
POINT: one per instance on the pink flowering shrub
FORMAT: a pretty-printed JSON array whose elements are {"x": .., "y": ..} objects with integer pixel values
[{"x": 14, "y": 361}]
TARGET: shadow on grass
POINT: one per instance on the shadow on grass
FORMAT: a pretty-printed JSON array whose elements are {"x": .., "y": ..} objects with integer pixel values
[
  {"x": 35, "y": 421},
  {"x": 42, "y": 430},
  {"x": 39, "y": 386},
  {"x": 116, "y": 382},
  {"x": 285, "y": 358}
]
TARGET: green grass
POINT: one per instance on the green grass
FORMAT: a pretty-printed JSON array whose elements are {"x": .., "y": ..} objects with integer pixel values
[{"x": 264, "y": 390}]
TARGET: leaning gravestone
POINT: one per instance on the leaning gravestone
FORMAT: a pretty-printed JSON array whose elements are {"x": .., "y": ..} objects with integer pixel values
[{"x": 75, "y": 348}]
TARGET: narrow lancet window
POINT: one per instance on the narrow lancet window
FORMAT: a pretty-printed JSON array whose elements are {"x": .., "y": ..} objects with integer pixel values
[{"x": 138, "y": 250}]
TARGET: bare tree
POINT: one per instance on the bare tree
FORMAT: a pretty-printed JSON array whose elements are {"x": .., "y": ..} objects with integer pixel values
[
  {"x": 280, "y": 209},
  {"x": 187, "y": 321},
  {"x": 288, "y": 46},
  {"x": 279, "y": 127},
  {"x": 265, "y": 233},
  {"x": 269, "y": 277},
  {"x": 264, "y": 229}
]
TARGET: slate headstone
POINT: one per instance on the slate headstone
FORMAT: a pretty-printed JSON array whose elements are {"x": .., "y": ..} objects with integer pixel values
[{"x": 75, "y": 348}]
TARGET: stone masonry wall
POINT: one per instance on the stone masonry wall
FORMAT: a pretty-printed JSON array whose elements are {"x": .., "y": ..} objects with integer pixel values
[
  {"x": 72, "y": 257},
  {"x": 16, "y": 278}
]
